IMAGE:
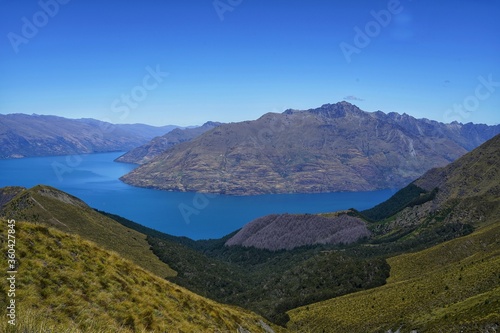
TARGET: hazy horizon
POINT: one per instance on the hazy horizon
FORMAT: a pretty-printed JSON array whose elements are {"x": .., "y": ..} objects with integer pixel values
[{"x": 212, "y": 120}]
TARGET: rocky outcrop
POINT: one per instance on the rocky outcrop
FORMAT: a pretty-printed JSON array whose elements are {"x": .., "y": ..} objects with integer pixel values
[{"x": 287, "y": 231}]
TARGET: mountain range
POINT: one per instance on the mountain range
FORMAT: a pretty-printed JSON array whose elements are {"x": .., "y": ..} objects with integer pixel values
[
  {"x": 158, "y": 145},
  {"x": 336, "y": 147},
  {"x": 24, "y": 135}
]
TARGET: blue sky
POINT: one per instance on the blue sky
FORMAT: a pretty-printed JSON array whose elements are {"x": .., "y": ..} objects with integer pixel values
[{"x": 234, "y": 60}]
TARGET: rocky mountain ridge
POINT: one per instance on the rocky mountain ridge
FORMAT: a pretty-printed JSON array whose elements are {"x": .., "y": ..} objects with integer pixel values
[{"x": 336, "y": 147}]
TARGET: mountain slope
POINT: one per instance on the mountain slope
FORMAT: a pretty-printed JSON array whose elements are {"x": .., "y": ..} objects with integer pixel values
[
  {"x": 452, "y": 287},
  {"x": 51, "y": 207},
  {"x": 24, "y": 135},
  {"x": 475, "y": 174},
  {"x": 158, "y": 145},
  {"x": 332, "y": 148},
  {"x": 464, "y": 193},
  {"x": 68, "y": 284}
]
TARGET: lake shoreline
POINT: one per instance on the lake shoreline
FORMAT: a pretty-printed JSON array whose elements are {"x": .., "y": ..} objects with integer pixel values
[{"x": 94, "y": 178}]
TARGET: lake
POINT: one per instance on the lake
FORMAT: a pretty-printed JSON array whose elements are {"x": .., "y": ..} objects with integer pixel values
[{"x": 94, "y": 179}]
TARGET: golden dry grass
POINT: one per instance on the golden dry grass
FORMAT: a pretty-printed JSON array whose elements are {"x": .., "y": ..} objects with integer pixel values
[
  {"x": 68, "y": 284},
  {"x": 451, "y": 287}
]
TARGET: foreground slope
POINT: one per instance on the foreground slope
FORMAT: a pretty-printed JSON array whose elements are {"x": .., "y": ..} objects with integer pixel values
[
  {"x": 453, "y": 286},
  {"x": 336, "y": 147},
  {"x": 68, "y": 284},
  {"x": 51, "y": 207},
  {"x": 24, "y": 135}
]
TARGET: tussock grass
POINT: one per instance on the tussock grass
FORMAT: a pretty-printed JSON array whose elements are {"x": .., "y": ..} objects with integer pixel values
[
  {"x": 68, "y": 284},
  {"x": 49, "y": 206},
  {"x": 450, "y": 287}
]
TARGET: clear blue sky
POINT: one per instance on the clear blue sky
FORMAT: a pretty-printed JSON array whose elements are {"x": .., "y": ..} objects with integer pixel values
[{"x": 430, "y": 59}]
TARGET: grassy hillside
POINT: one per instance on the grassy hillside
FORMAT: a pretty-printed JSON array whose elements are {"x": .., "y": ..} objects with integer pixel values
[
  {"x": 442, "y": 204},
  {"x": 49, "y": 206},
  {"x": 68, "y": 284},
  {"x": 451, "y": 287},
  {"x": 475, "y": 174},
  {"x": 408, "y": 196}
]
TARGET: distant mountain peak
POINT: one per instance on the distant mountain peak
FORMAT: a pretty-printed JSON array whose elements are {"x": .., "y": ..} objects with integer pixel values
[
  {"x": 343, "y": 104},
  {"x": 336, "y": 110},
  {"x": 211, "y": 124}
]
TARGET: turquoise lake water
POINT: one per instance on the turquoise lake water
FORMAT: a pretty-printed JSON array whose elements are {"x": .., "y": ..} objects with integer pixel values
[{"x": 94, "y": 179}]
